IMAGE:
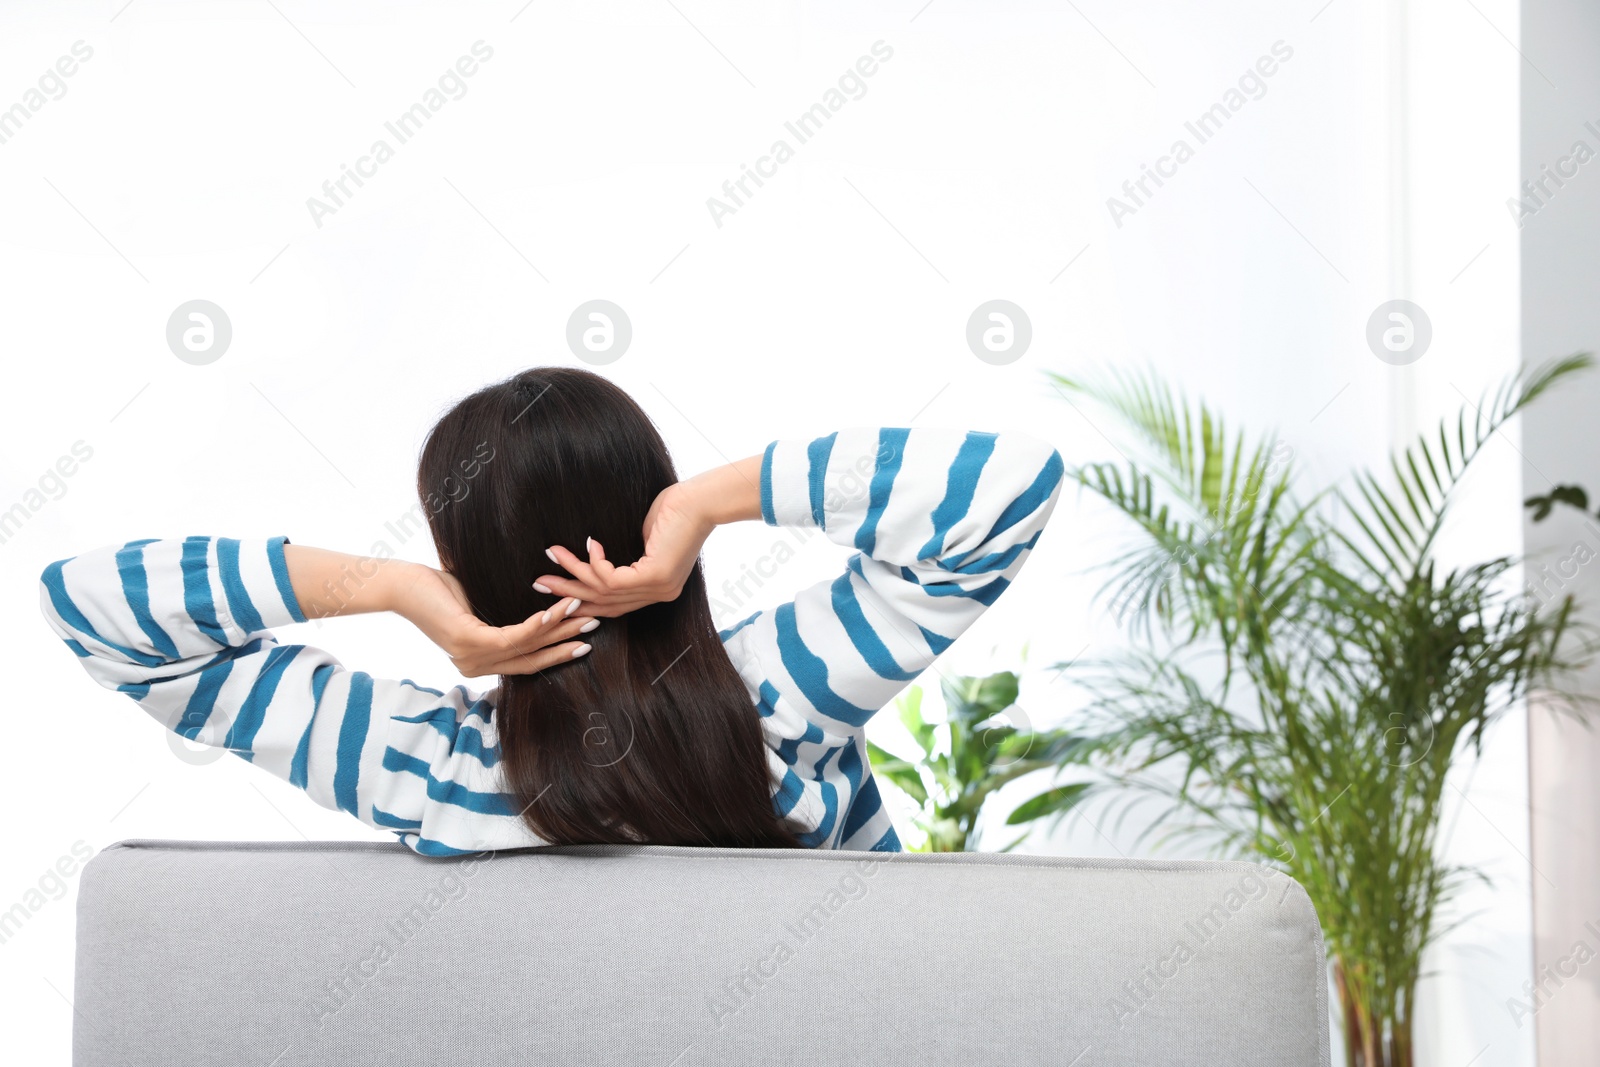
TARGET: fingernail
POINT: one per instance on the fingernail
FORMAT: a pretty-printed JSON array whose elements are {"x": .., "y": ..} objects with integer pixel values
[
  {"x": 544, "y": 617},
  {"x": 541, "y": 587},
  {"x": 589, "y": 626},
  {"x": 581, "y": 650},
  {"x": 571, "y": 608},
  {"x": 551, "y": 553},
  {"x": 588, "y": 543}
]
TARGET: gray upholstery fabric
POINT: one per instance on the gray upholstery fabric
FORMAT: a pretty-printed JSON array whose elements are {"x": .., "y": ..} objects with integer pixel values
[{"x": 355, "y": 954}]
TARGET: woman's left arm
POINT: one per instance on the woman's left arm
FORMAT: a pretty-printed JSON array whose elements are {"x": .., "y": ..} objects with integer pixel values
[{"x": 184, "y": 628}]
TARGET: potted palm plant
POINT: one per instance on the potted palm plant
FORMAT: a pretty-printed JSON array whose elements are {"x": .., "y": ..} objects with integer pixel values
[{"x": 1302, "y": 679}]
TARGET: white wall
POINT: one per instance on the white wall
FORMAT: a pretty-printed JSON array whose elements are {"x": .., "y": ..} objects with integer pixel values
[
  {"x": 1559, "y": 276},
  {"x": 978, "y": 165}
]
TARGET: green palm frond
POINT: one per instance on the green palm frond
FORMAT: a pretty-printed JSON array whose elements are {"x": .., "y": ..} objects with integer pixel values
[
  {"x": 1226, "y": 546},
  {"x": 1052, "y": 802},
  {"x": 1399, "y": 522}
]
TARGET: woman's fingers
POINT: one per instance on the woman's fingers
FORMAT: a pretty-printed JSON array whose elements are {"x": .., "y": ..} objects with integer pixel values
[
  {"x": 561, "y": 609},
  {"x": 605, "y": 588},
  {"x": 542, "y": 660},
  {"x": 602, "y": 568},
  {"x": 545, "y": 627},
  {"x": 595, "y": 601},
  {"x": 528, "y": 632},
  {"x": 574, "y": 566},
  {"x": 490, "y": 648},
  {"x": 567, "y": 587},
  {"x": 597, "y": 580}
]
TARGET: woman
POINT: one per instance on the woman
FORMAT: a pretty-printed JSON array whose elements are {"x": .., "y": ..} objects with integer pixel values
[{"x": 570, "y": 556}]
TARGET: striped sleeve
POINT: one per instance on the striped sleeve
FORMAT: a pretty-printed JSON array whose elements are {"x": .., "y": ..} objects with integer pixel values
[
  {"x": 183, "y": 627},
  {"x": 941, "y": 521}
]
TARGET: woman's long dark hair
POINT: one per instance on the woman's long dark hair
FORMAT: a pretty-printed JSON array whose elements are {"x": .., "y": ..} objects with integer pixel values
[{"x": 652, "y": 737}]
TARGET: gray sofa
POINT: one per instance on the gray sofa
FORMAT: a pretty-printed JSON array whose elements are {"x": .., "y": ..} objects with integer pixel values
[{"x": 282, "y": 955}]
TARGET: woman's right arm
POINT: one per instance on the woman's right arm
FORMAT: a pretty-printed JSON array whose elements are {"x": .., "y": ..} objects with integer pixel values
[{"x": 942, "y": 521}]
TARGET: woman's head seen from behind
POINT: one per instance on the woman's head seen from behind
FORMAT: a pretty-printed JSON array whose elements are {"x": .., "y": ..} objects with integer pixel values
[{"x": 651, "y": 738}]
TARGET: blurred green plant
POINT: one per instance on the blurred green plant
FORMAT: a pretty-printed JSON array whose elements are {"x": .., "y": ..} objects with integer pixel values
[
  {"x": 964, "y": 760},
  {"x": 1305, "y": 676},
  {"x": 1573, "y": 496}
]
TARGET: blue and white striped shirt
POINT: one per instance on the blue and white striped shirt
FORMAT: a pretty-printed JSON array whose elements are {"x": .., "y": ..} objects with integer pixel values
[{"x": 941, "y": 521}]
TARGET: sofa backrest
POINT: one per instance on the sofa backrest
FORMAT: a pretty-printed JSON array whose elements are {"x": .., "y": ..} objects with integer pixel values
[{"x": 286, "y": 955}]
